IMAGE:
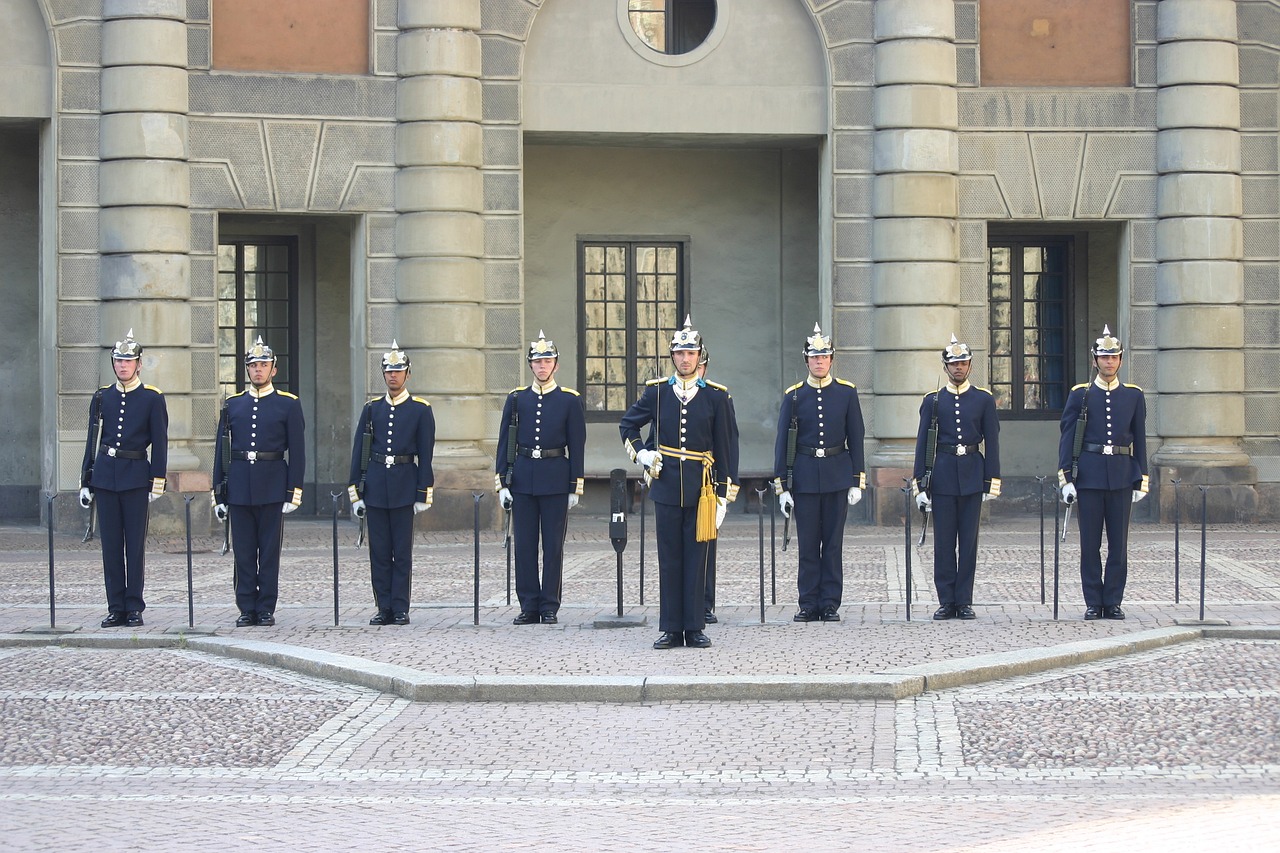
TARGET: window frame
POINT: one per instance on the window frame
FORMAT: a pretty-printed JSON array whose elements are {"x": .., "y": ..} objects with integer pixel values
[
  {"x": 634, "y": 381},
  {"x": 1075, "y": 247},
  {"x": 286, "y": 380}
]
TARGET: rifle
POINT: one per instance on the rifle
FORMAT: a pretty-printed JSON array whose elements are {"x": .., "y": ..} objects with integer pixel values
[
  {"x": 366, "y": 450},
  {"x": 930, "y": 457},
  {"x": 95, "y": 436},
  {"x": 1076, "y": 447},
  {"x": 224, "y": 464},
  {"x": 792, "y": 429}
]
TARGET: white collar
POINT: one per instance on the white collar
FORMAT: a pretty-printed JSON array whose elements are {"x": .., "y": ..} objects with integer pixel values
[
  {"x": 269, "y": 388},
  {"x": 959, "y": 389},
  {"x": 544, "y": 389},
  {"x": 130, "y": 385},
  {"x": 399, "y": 398},
  {"x": 1107, "y": 386},
  {"x": 819, "y": 383}
]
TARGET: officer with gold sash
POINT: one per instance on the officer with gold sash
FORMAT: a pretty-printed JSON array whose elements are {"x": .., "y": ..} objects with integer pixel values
[
  {"x": 961, "y": 476},
  {"x": 125, "y": 418},
  {"x": 1102, "y": 466},
  {"x": 392, "y": 483},
  {"x": 690, "y": 472},
  {"x": 821, "y": 419}
]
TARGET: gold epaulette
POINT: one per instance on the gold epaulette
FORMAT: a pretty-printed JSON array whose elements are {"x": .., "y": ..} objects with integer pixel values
[
  {"x": 421, "y": 400},
  {"x": 153, "y": 388},
  {"x": 717, "y": 385},
  {"x": 793, "y": 388},
  {"x": 983, "y": 390},
  {"x": 290, "y": 396},
  {"x": 846, "y": 382},
  {"x": 1136, "y": 387},
  {"x": 1081, "y": 385},
  {"x": 238, "y": 394},
  {"x": 658, "y": 381},
  {"x": 517, "y": 390},
  {"x": 571, "y": 391}
]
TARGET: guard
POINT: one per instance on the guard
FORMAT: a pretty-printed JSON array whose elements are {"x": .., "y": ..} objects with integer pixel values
[
  {"x": 260, "y": 434},
  {"x": 819, "y": 471},
  {"x": 954, "y": 476},
  {"x": 1102, "y": 465},
  {"x": 690, "y": 474},
  {"x": 539, "y": 478},
  {"x": 125, "y": 418},
  {"x": 391, "y": 482}
]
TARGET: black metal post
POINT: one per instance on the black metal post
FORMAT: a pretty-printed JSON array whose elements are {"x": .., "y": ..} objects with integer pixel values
[
  {"x": 475, "y": 607},
  {"x": 1057, "y": 544},
  {"x": 335, "y": 496},
  {"x": 49, "y": 498},
  {"x": 773, "y": 548},
  {"x": 191, "y": 598},
  {"x": 1177, "y": 545},
  {"x": 1204, "y": 513},
  {"x": 508, "y": 550},
  {"x": 760, "y": 526},
  {"x": 906, "y": 513},
  {"x": 642, "y": 541},
  {"x": 1040, "y": 479}
]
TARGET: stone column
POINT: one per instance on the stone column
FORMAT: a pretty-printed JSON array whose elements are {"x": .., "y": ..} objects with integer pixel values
[
  {"x": 1199, "y": 247},
  {"x": 145, "y": 224},
  {"x": 440, "y": 235},
  {"x": 915, "y": 247}
]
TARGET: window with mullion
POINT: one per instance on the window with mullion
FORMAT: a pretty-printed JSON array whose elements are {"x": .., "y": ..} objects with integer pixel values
[
  {"x": 257, "y": 295},
  {"x": 1029, "y": 291},
  {"x": 631, "y": 295}
]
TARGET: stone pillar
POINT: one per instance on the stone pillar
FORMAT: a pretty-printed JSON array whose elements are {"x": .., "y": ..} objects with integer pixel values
[
  {"x": 915, "y": 247},
  {"x": 145, "y": 224},
  {"x": 440, "y": 236},
  {"x": 1199, "y": 247}
]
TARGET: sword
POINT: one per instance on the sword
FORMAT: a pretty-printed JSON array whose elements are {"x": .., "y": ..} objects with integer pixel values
[
  {"x": 360, "y": 533},
  {"x": 924, "y": 523},
  {"x": 1066, "y": 520},
  {"x": 226, "y": 534},
  {"x": 88, "y": 531}
]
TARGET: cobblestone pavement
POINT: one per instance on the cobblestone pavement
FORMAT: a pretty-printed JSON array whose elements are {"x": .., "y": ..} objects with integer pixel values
[{"x": 168, "y": 748}]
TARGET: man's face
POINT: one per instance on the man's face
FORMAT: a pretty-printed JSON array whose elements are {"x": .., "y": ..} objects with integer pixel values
[
  {"x": 543, "y": 369},
  {"x": 261, "y": 373},
  {"x": 819, "y": 365},
  {"x": 395, "y": 380},
  {"x": 958, "y": 371},
  {"x": 686, "y": 362},
  {"x": 125, "y": 368},
  {"x": 1108, "y": 366}
]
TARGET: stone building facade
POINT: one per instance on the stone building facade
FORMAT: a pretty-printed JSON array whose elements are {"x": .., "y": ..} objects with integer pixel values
[{"x": 459, "y": 174}]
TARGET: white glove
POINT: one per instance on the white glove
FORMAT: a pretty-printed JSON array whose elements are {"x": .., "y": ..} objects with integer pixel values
[
  {"x": 1069, "y": 493},
  {"x": 785, "y": 503},
  {"x": 1138, "y": 495},
  {"x": 357, "y": 509},
  {"x": 855, "y": 495},
  {"x": 504, "y": 498},
  {"x": 987, "y": 496},
  {"x": 420, "y": 507},
  {"x": 85, "y": 498},
  {"x": 573, "y": 500},
  {"x": 722, "y": 509},
  {"x": 923, "y": 501},
  {"x": 288, "y": 508},
  {"x": 220, "y": 512}
]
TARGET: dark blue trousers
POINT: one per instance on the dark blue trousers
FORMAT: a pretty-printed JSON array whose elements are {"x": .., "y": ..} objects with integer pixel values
[
  {"x": 1095, "y": 509},
  {"x": 820, "y": 521},
  {"x": 535, "y": 517},
  {"x": 122, "y": 527},
  {"x": 710, "y": 592},
  {"x": 391, "y": 556},
  {"x": 955, "y": 546},
  {"x": 682, "y": 569},
  {"x": 257, "y": 532}
]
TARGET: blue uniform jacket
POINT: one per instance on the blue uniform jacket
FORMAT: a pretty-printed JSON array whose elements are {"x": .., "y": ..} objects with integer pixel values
[
  {"x": 965, "y": 417},
  {"x": 827, "y": 417},
  {"x": 405, "y": 429},
  {"x": 555, "y": 420},
  {"x": 1117, "y": 416},
  {"x": 700, "y": 425},
  {"x": 271, "y": 423},
  {"x": 131, "y": 421}
]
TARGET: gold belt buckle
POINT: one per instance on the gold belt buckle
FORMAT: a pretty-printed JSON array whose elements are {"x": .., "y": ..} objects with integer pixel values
[
  {"x": 961, "y": 450},
  {"x": 1108, "y": 450}
]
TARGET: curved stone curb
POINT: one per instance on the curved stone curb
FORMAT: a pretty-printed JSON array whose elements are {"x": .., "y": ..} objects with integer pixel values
[{"x": 421, "y": 686}]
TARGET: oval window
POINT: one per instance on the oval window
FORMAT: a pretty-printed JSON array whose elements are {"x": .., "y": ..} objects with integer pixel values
[{"x": 672, "y": 27}]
